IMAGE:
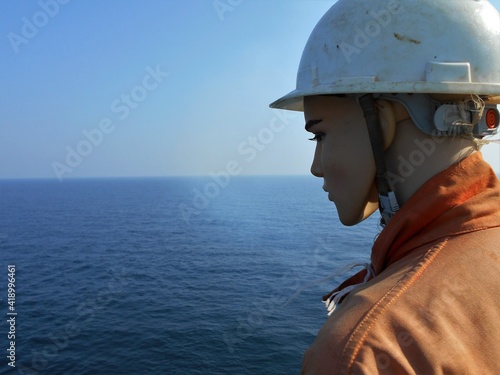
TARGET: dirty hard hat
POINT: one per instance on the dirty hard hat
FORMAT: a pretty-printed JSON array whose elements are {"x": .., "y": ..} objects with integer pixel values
[{"x": 437, "y": 47}]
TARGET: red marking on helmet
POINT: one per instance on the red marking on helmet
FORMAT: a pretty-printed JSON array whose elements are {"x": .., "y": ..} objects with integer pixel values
[{"x": 491, "y": 119}]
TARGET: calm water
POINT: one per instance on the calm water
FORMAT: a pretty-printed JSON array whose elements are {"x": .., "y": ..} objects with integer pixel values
[{"x": 169, "y": 276}]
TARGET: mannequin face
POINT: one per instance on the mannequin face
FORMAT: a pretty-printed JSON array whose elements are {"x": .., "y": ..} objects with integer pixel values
[{"x": 343, "y": 156}]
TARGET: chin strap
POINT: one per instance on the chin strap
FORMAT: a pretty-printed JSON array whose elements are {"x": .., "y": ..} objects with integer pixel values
[{"x": 388, "y": 204}]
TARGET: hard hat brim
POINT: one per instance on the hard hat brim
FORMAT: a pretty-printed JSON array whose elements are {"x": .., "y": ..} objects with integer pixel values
[{"x": 294, "y": 100}]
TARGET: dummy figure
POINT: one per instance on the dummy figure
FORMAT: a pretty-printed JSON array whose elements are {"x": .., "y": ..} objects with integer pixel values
[{"x": 400, "y": 96}]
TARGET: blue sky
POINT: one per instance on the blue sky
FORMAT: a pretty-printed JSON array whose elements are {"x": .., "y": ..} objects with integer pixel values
[{"x": 153, "y": 88}]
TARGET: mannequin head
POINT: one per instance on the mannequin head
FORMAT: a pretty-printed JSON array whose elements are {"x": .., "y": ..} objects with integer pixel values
[
  {"x": 357, "y": 49},
  {"x": 344, "y": 158}
]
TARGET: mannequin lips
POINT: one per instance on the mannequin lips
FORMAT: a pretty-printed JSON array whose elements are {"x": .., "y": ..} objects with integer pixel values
[{"x": 329, "y": 194}]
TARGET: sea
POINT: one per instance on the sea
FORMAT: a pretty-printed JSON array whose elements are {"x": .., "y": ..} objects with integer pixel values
[{"x": 174, "y": 275}]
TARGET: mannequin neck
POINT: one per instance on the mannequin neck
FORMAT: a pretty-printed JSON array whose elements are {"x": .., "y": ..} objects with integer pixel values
[{"x": 414, "y": 157}]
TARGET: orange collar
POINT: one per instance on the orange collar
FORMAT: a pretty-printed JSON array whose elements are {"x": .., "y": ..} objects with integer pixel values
[{"x": 463, "y": 198}]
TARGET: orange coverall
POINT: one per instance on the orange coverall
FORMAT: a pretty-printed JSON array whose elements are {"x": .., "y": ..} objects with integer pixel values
[{"x": 433, "y": 306}]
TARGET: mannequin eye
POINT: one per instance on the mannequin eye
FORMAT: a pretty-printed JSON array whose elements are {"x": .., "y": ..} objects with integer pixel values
[{"x": 317, "y": 137}]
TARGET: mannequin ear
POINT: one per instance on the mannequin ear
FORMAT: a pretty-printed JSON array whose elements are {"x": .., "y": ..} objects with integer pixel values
[{"x": 387, "y": 119}]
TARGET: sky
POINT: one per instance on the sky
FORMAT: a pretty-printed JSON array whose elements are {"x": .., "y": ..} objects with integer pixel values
[{"x": 119, "y": 88}]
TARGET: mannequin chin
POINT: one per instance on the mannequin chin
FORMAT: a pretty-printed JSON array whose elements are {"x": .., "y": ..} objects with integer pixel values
[{"x": 350, "y": 217}]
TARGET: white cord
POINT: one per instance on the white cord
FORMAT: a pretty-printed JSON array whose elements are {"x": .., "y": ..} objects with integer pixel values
[{"x": 333, "y": 301}]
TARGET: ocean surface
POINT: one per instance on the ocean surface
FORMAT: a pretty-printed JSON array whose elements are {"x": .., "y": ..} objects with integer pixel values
[{"x": 168, "y": 275}]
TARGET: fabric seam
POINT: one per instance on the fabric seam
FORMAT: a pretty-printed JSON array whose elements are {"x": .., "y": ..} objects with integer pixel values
[{"x": 376, "y": 311}]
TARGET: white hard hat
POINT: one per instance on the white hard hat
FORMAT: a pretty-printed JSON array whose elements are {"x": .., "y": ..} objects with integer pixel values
[{"x": 401, "y": 46}]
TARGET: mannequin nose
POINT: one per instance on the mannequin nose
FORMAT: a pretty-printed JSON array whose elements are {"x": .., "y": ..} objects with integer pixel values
[{"x": 316, "y": 167}]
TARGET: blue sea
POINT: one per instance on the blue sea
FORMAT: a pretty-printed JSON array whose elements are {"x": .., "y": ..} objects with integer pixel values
[{"x": 168, "y": 275}]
